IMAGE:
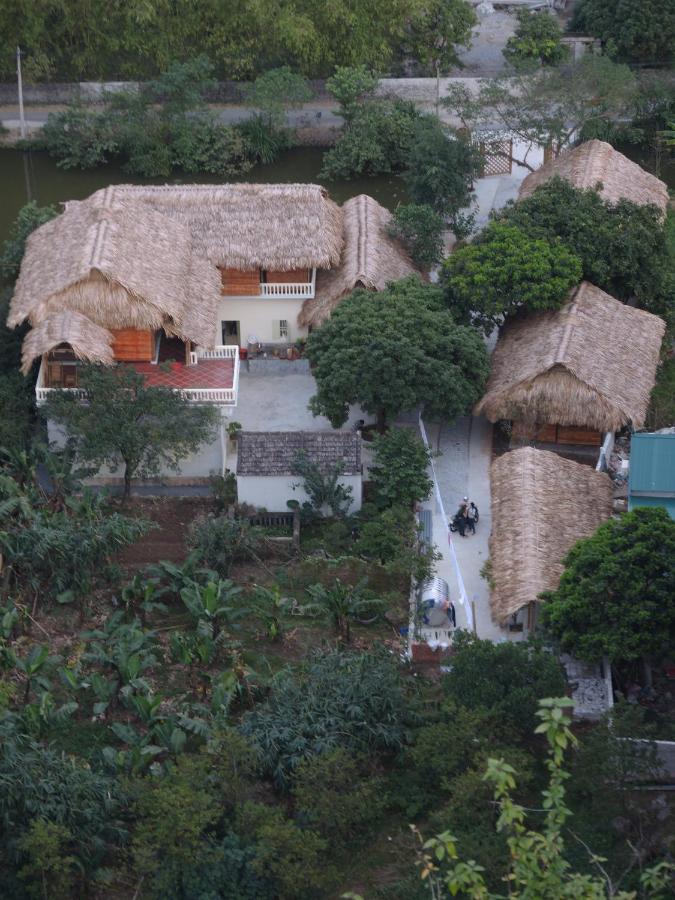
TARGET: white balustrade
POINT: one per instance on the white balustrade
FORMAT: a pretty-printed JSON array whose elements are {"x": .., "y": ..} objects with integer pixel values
[{"x": 291, "y": 290}]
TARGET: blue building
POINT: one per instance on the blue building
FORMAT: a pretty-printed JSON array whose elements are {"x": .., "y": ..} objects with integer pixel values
[{"x": 651, "y": 480}]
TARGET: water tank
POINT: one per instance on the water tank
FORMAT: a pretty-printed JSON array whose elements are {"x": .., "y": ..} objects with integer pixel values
[{"x": 433, "y": 599}]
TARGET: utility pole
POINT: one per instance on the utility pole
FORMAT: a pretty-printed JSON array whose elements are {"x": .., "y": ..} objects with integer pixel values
[{"x": 18, "y": 75}]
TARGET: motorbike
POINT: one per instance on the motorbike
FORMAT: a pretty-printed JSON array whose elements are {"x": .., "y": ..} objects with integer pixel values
[{"x": 454, "y": 524}]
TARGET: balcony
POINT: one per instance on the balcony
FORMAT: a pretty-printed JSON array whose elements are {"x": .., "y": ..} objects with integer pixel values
[
  {"x": 211, "y": 377},
  {"x": 290, "y": 290}
]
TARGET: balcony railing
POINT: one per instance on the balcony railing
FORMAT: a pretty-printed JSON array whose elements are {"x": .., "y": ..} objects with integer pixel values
[
  {"x": 226, "y": 396},
  {"x": 291, "y": 290}
]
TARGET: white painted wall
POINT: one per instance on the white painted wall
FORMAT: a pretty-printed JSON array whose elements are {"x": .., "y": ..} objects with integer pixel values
[
  {"x": 273, "y": 491},
  {"x": 256, "y": 315}
]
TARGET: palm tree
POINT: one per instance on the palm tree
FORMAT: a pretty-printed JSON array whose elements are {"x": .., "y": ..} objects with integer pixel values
[{"x": 341, "y": 605}]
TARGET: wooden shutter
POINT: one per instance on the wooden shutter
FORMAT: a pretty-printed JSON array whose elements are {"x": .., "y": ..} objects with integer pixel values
[
  {"x": 236, "y": 283},
  {"x": 276, "y": 329},
  {"x": 133, "y": 345},
  {"x": 293, "y": 276}
]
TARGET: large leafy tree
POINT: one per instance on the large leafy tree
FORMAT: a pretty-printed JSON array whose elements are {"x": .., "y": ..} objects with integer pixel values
[
  {"x": 536, "y": 41},
  {"x": 440, "y": 168},
  {"x": 436, "y": 31},
  {"x": 507, "y": 680},
  {"x": 504, "y": 270},
  {"x": 399, "y": 473},
  {"x": 634, "y": 30},
  {"x": 549, "y": 107},
  {"x": 126, "y": 423},
  {"x": 622, "y": 246},
  {"x": 393, "y": 351},
  {"x": 616, "y": 596}
]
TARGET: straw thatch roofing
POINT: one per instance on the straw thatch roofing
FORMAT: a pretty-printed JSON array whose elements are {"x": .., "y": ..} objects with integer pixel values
[
  {"x": 124, "y": 266},
  {"x": 244, "y": 226},
  {"x": 371, "y": 259},
  {"x": 595, "y": 162},
  {"x": 542, "y": 505},
  {"x": 591, "y": 363},
  {"x": 87, "y": 340}
]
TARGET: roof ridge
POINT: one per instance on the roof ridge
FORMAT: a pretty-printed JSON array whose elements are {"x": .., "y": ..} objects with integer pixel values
[{"x": 568, "y": 309}]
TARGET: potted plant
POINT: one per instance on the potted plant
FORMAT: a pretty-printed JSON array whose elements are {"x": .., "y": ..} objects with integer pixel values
[{"x": 233, "y": 430}]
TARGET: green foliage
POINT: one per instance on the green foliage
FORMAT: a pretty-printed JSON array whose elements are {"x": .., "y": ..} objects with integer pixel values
[
  {"x": 437, "y": 30},
  {"x": 292, "y": 857},
  {"x": 336, "y": 795},
  {"x": 622, "y": 246},
  {"x": 45, "y": 847},
  {"x": 420, "y": 228},
  {"x": 16, "y": 414},
  {"x": 536, "y": 41},
  {"x": 632, "y": 30},
  {"x": 661, "y": 412},
  {"x": 538, "y": 864},
  {"x": 395, "y": 350},
  {"x": 549, "y": 107},
  {"x": 616, "y": 596},
  {"x": 377, "y": 140},
  {"x": 348, "y": 700},
  {"x": 219, "y": 542},
  {"x": 124, "y": 422},
  {"x": 349, "y": 85},
  {"x": 275, "y": 92},
  {"x": 504, "y": 270},
  {"x": 323, "y": 488},
  {"x": 341, "y": 604},
  {"x": 399, "y": 473},
  {"x": 271, "y": 607},
  {"x": 211, "y": 604},
  {"x": 507, "y": 679},
  {"x": 29, "y": 217},
  {"x": 201, "y": 145},
  {"x": 440, "y": 168},
  {"x": 391, "y": 538},
  {"x": 79, "y": 137}
]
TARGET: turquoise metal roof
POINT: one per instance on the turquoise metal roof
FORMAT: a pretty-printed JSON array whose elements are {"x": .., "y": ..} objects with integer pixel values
[{"x": 651, "y": 480}]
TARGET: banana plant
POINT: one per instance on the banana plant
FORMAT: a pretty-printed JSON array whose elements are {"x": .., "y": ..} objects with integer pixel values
[
  {"x": 271, "y": 607},
  {"x": 212, "y": 602},
  {"x": 39, "y": 717},
  {"x": 171, "y": 579},
  {"x": 33, "y": 667},
  {"x": 124, "y": 647},
  {"x": 139, "y": 600},
  {"x": 9, "y": 616}
]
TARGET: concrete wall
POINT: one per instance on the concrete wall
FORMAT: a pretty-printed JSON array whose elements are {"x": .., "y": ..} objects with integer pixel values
[
  {"x": 256, "y": 315},
  {"x": 194, "y": 469},
  {"x": 273, "y": 492}
]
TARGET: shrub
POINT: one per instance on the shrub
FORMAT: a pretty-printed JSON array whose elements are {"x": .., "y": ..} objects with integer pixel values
[
  {"x": 536, "y": 41},
  {"x": 420, "y": 228},
  {"x": 399, "y": 474},
  {"x": 219, "y": 542}
]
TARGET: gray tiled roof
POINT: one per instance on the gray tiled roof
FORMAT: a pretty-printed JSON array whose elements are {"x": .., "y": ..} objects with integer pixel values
[{"x": 273, "y": 452}]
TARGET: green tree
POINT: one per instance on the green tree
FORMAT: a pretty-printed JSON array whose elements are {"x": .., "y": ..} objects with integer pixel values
[
  {"x": 506, "y": 679},
  {"x": 391, "y": 538},
  {"x": 277, "y": 91},
  {"x": 337, "y": 796},
  {"x": 632, "y": 30},
  {"x": 399, "y": 473},
  {"x": 395, "y": 350},
  {"x": 435, "y": 33},
  {"x": 45, "y": 847},
  {"x": 616, "y": 596},
  {"x": 538, "y": 864},
  {"x": 124, "y": 422},
  {"x": 440, "y": 168},
  {"x": 349, "y": 85},
  {"x": 546, "y": 108},
  {"x": 16, "y": 414},
  {"x": 377, "y": 140},
  {"x": 29, "y": 217},
  {"x": 536, "y": 40},
  {"x": 661, "y": 412},
  {"x": 622, "y": 246},
  {"x": 504, "y": 270},
  {"x": 420, "y": 228}
]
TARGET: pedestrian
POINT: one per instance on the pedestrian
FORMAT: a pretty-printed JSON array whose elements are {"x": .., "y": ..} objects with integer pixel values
[
  {"x": 451, "y": 615},
  {"x": 462, "y": 517},
  {"x": 472, "y": 516}
]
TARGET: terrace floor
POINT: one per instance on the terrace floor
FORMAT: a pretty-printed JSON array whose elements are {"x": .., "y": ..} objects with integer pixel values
[{"x": 208, "y": 373}]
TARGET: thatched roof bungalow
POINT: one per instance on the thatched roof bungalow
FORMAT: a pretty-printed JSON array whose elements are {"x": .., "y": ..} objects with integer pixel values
[
  {"x": 371, "y": 259},
  {"x": 88, "y": 341},
  {"x": 542, "y": 505},
  {"x": 590, "y": 364},
  {"x": 596, "y": 164}
]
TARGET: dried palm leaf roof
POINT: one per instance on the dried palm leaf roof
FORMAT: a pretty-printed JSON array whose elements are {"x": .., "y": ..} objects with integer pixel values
[
  {"x": 595, "y": 162},
  {"x": 245, "y": 226},
  {"x": 371, "y": 259},
  {"x": 87, "y": 340},
  {"x": 125, "y": 266},
  {"x": 591, "y": 363},
  {"x": 542, "y": 505}
]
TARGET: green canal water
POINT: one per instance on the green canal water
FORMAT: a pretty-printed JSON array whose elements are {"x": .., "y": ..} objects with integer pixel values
[{"x": 34, "y": 176}]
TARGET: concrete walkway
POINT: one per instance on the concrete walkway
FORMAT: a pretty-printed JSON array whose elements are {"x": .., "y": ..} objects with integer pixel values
[{"x": 462, "y": 469}]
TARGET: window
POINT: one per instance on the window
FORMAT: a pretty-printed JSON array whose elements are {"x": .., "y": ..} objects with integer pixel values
[
  {"x": 283, "y": 329},
  {"x": 280, "y": 330}
]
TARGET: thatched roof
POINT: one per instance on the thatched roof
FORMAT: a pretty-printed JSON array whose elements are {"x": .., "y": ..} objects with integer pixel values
[
  {"x": 244, "y": 226},
  {"x": 591, "y": 363},
  {"x": 542, "y": 505},
  {"x": 123, "y": 266},
  {"x": 274, "y": 452},
  {"x": 87, "y": 340},
  {"x": 371, "y": 259},
  {"x": 595, "y": 162}
]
